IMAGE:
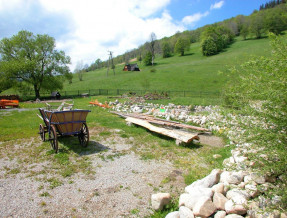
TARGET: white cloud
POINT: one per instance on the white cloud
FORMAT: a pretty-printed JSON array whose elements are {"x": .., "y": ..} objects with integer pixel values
[
  {"x": 110, "y": 25},
  {"x": 217, "y": 5},
  {"x": 189, "y": 20}
]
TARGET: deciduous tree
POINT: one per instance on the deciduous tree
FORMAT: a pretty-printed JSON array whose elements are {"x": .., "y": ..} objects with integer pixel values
[{"x": 33, "y": 60}]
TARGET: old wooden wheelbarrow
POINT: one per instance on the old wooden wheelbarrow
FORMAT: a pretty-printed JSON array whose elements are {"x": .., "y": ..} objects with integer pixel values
[{"x": 64, "y": 123}]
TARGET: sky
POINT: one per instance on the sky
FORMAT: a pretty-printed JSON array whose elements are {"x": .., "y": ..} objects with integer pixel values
[{"x": 87, "y": 29}]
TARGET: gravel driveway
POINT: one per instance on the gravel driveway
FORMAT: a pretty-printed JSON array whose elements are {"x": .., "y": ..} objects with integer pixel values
[{"x": 120, "y": 187}]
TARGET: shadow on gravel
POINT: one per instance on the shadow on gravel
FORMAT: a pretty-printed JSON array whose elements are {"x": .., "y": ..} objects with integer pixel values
[{"x": 72, "y": 143}]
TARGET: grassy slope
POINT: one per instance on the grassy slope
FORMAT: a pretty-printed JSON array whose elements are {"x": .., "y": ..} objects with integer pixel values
[{"x": 192, "y": 72}]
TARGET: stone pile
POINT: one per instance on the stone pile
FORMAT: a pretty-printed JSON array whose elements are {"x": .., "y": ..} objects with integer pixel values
[
  {"x": 168, "y": 112},
  {"x": 223, "y": 194},
  {"x": 235, "y": 191}
]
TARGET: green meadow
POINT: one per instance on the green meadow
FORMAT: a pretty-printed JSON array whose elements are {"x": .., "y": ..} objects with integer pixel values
[{"x": 192, "y": 72}]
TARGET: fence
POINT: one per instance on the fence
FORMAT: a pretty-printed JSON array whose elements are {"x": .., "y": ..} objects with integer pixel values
[{"x": 119, "y": 92}]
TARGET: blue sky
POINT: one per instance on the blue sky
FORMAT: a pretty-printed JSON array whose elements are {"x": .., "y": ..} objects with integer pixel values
[{"x": 88, "y": 29}]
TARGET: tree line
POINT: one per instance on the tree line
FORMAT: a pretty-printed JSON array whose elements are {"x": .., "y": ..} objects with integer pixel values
[{"x": 271, "y": 17}]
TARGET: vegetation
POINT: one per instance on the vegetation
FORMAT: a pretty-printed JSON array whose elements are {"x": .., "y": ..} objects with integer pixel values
[
  {"x": 32, "y": 61},
  {"x": 181, "y": 46},
  {"x": 260, "y": 90},
  {"x": 214, "y": 39}
]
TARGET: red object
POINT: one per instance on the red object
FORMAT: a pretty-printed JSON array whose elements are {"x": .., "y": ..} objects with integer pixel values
[
  {"x": 8, "y": 103},
  {"x": 105, "y": 105}
]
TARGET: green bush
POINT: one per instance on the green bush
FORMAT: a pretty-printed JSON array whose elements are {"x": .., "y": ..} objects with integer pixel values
[
  {"x": 148, "y": 59},
  {"x": 259, "y": 89},
  {"x": 209, "y": 47}
]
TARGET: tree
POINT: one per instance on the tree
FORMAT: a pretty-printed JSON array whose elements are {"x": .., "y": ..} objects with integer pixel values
[
  {"x": 152, "y": 46},
  {"x": 79, "y": 70},
  {"x": 259, "y": 89},
  {"x": 256, "y": 24},
  {"x": 275, "y": 20},
  {"x": 181, "y": 46},
  {"x": 32, "y": 60},
  {"x": 209, "y": 47},
  {"x": 148, "y": 59},
  {"x": 166, "y": 49}
]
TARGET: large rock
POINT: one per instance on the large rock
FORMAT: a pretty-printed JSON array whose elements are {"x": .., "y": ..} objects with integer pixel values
[
  {"x": 174, "y": 214},
  {"x": 220, "y": 214},
  {"x": 219, "y": 201},
  {"x": 159, "y": 200},
  {"x": 185, "y": 212},
  {"x": 252, "y": 190},
  {"x": 207, "y": 181},
  {"x": 218, "y": 188},
  {"x": 199, "y": 191},
  {"x": 259, "y": 179},
  {"x": 232, "y": 177},
  {"x": 187, "y": 200},
  {"x": 237, "y": 193},
  {"x": 204, "y": 207},
  {"x": 236, "y": 206}
]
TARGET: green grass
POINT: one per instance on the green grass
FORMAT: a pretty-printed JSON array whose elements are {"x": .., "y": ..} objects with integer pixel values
[{"x": 192, "y": 72}]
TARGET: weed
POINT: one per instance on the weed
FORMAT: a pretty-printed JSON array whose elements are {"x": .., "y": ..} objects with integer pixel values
[
  {"x": 134, "y": 211},
  {"x": 45, "y": 194},
  {"x": 147, "y": 156},
  {"x": 172, "y": 206},
  {"x": 54, "y": 182},
  {"x": 43, "y": 204}
]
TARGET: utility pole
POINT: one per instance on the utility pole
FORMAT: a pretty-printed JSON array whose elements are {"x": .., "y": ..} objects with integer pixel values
[{"x": 110, "y": 62}]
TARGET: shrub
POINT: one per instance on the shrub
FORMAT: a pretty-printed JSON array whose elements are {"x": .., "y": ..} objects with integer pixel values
[
  {"x": 209, "y": 47},
  {"x": 260, "y": 91},
  {"x": 148, "y": 59}
]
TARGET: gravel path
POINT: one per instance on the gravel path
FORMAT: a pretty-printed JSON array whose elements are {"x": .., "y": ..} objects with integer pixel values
[{"x": 121, "y": 187}]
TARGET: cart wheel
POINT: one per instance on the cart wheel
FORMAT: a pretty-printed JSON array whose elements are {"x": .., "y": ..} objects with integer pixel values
[
  {"x": 53, "y": 138},
  {"x": 84, "y": 135},
  {"x": 42, "y": 132}
]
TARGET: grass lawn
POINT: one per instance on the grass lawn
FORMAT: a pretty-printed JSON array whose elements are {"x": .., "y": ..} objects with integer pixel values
[{"x": 192, "y": 72}]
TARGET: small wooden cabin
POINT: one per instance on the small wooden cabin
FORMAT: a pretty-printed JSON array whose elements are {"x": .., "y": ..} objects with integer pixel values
[{"x": 131, "y": 67}]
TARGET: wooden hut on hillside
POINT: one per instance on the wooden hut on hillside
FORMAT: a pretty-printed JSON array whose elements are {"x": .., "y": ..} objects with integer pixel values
[{"x": 131, "y": 67}]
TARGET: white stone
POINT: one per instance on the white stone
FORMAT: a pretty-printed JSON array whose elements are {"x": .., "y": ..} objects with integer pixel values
[
  {"x": 174, "y": 214},
  {"x": 218, "y": 188},
  {"x": 187, "y": 200},
  {"x": 209, "y": 180},
  {"x": 252, "y": 190},
  {"x": 259, "y": 179},
  {"x": 220, "y": 214},
  {"x": 232, "y": 177},
  {"x": 204, "y": 207},
  {"x": 159, "y": 200},
  {"x": 234, "y": 216},
  {"x": 233, "y": 208},
  {"x": 237, "y": 192},
  {"x": 199, "y": 191},
  {"x": 219, "y": 201},
  {"x": 185, "y": 212}
]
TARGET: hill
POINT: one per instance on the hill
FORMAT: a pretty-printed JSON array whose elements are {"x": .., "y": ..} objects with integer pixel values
[{"x": 192, "y": 72}]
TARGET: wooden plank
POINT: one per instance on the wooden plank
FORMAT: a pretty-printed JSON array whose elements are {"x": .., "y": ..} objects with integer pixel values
[
  {"x": 158, "y": 121},
  {"x": 176, "y": 134}
]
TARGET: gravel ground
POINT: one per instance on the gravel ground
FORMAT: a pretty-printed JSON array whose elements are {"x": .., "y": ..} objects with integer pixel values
[{"x": 121, "y": 187}]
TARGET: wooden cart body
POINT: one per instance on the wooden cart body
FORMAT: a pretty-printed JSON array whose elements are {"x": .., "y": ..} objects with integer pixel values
[{"x": 63, "y": 123}]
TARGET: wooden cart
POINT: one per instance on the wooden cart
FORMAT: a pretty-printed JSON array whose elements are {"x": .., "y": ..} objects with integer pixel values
[{"x": 64, "y": 123}]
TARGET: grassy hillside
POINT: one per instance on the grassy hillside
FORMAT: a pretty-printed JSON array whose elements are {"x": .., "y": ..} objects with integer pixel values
[{"x": 192, "y": 72}]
